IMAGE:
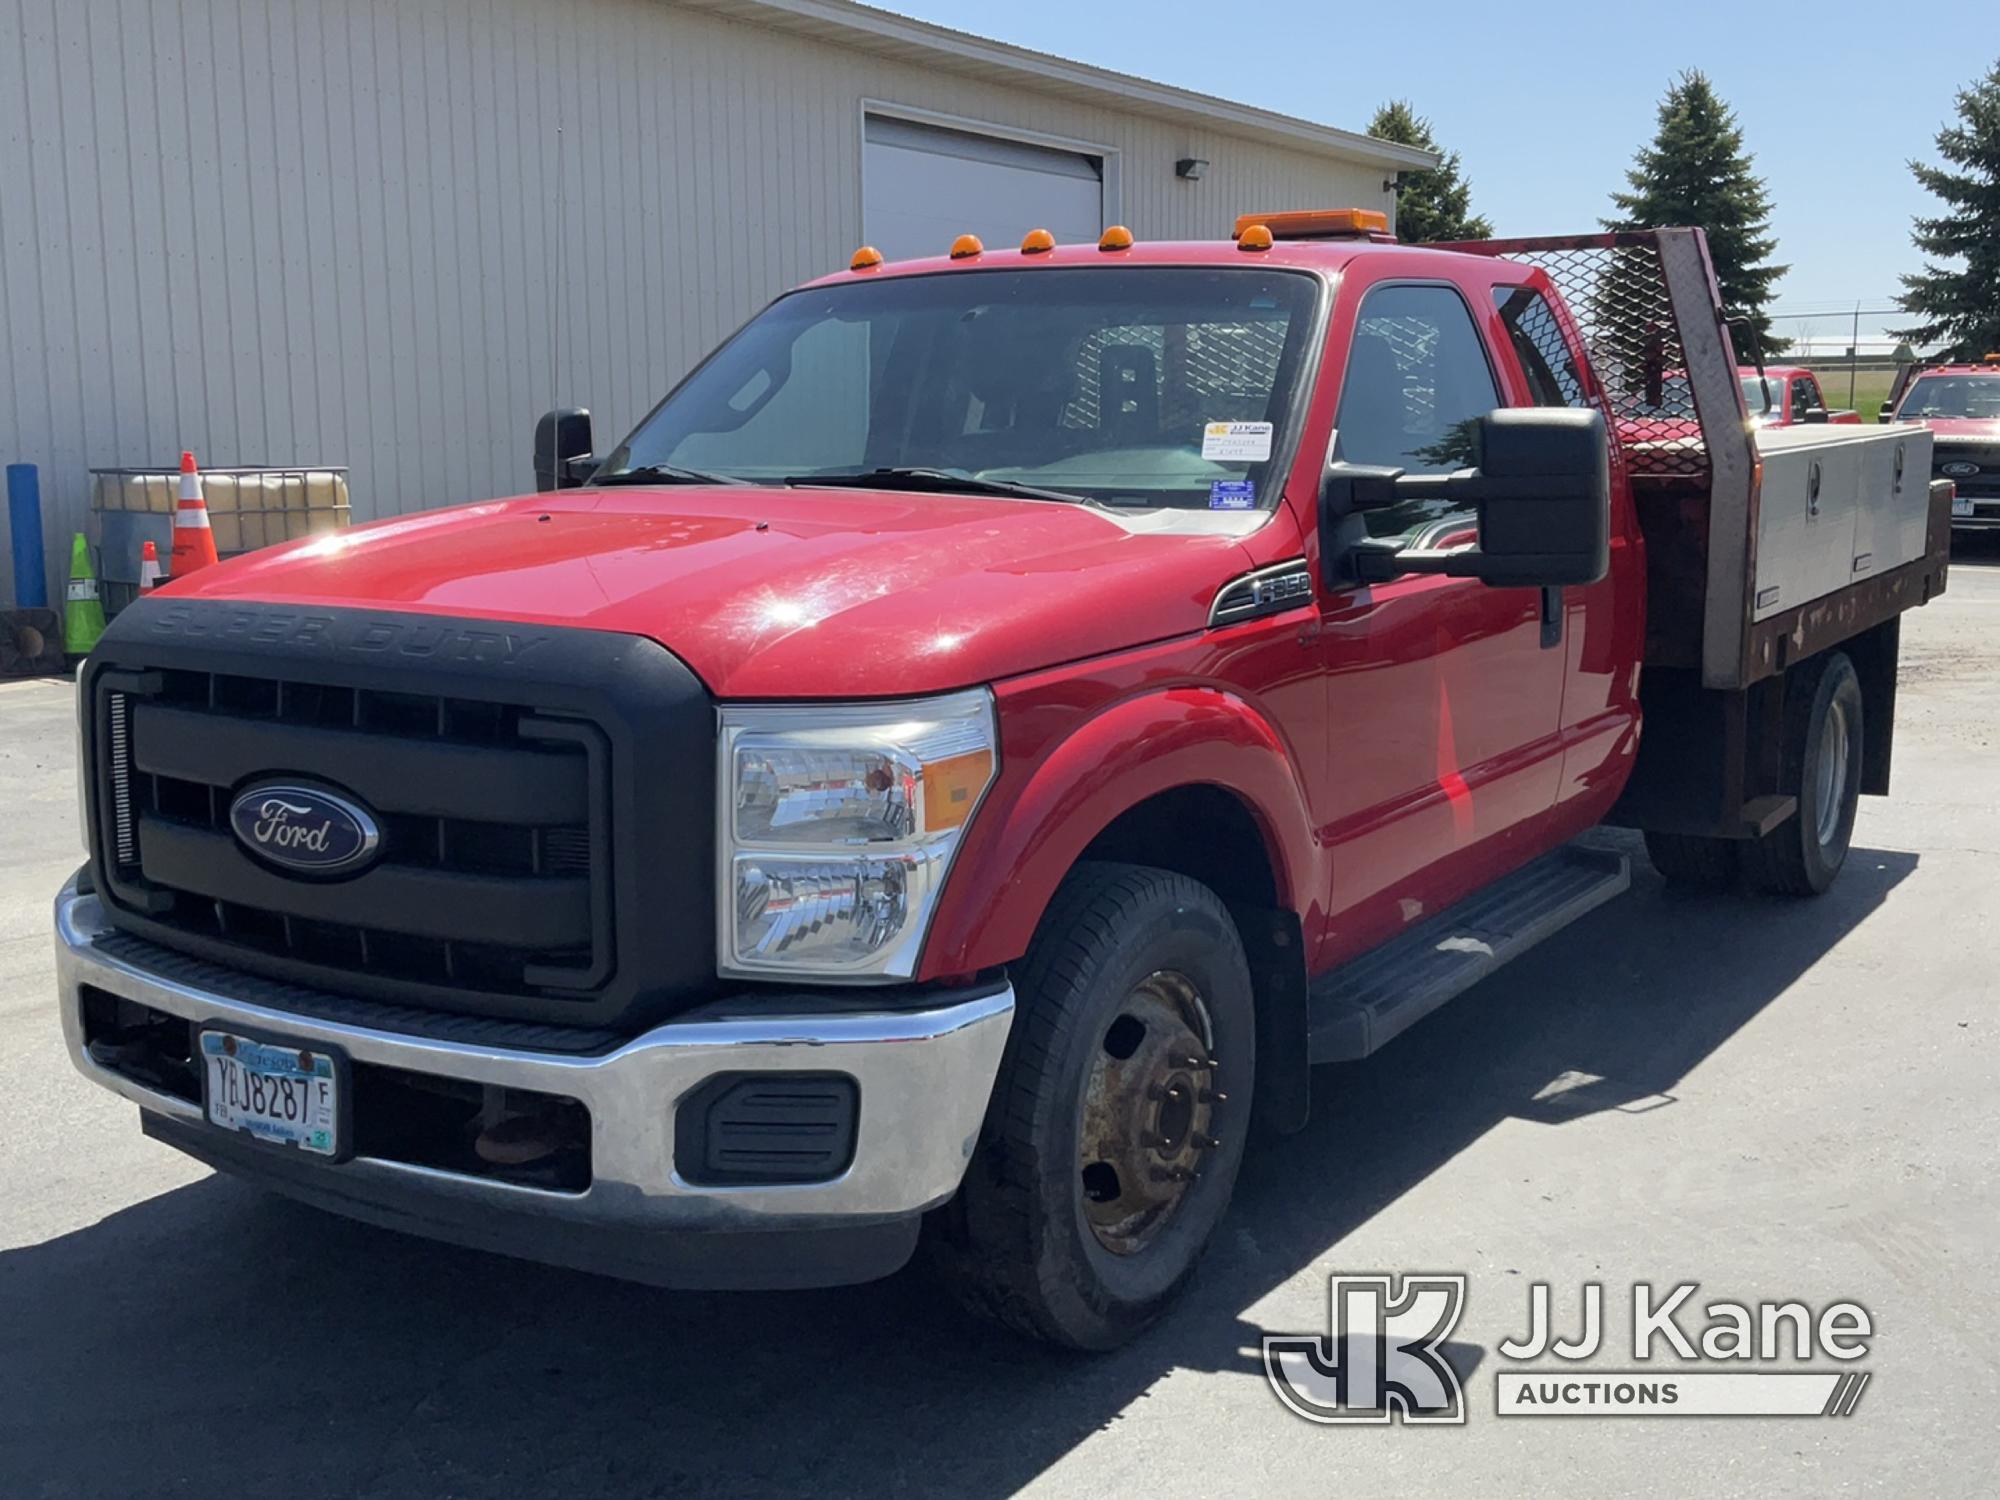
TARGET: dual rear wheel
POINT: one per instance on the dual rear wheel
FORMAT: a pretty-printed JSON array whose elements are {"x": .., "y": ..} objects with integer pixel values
[{"x": 1822, "y": 766}]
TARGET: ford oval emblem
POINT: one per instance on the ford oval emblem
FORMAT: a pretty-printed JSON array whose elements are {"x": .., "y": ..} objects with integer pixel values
[
  {"x": 306, "y": 829},
  {"x": 1959, "y": 469}
]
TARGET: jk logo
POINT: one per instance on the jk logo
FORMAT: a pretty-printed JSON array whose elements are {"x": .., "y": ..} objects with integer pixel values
[{"x": 1379, "y": 1356}]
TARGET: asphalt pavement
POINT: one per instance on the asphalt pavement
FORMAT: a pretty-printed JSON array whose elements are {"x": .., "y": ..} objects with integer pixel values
[{"x": 1780, "y": 1100}]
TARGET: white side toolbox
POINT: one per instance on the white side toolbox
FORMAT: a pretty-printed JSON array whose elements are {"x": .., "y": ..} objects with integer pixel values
[
  {"x": 1891, "y": 528},
  {"x": 1838, "y": 504}
]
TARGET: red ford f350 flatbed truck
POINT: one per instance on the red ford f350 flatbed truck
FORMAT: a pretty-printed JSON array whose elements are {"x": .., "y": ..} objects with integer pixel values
[{"x": 988, "y": 731}]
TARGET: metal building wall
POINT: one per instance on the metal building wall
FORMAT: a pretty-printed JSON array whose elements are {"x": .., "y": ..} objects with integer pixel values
[{"x": 334, "y": 231}]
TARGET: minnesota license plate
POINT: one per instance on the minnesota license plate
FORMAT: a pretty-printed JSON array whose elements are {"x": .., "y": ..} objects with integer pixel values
[{"x": 280, "y": 1092}]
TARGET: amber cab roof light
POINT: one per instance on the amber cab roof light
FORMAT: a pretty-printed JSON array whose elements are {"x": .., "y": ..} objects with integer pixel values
[
  {"x": 1321, "y": 224},
  {"x": 1037, "y": 242},
  {"x": 867, "y": 258},
  {"x": 1117, "y": 237},
  {"x": 1252, "y": 237},
  {"x": 966, "y": 246}
]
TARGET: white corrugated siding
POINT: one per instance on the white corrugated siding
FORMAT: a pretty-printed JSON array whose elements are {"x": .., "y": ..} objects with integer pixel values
[{"x": 327, "y": 231}]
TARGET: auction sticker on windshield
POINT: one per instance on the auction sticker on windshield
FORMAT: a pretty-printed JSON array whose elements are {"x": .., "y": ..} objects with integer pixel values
[
  {"x": 283, "y": 1093},
  {"x": 1236, "y": 442}
]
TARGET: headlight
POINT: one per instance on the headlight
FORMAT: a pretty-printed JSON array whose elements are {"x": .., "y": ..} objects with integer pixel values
[{"x": 838, "y": 825}]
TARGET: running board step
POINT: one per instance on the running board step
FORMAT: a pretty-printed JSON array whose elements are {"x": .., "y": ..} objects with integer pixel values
[{"x": 1364, "y": 1004}]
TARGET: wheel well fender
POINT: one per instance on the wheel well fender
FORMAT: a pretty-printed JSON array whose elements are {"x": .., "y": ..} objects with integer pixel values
[{"x": 1190, "y": 779}]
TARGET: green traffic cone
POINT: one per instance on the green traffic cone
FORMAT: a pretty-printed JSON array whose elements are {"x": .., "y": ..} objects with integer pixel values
[{"x": 83, "y": 611}]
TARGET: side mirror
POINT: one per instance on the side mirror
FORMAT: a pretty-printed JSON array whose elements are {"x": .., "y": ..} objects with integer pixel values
[
  {"x": 1887, "y": 414},
  {"x": 563, "y": 457},
  {"x": 1542, "y": 492},
  {"x": 1813, "y": 414}
]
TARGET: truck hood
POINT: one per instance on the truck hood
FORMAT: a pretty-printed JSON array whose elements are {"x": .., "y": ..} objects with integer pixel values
[
  {"x": 1982, "y": 428},
  {"x": 775, "y": 593}
]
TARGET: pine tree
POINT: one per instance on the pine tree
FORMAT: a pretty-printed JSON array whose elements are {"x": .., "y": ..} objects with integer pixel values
[
  {"x": 1961, "y": 308},
  {"x": 1697, "y": 172},
  {"x": 1433, "y": 204}
]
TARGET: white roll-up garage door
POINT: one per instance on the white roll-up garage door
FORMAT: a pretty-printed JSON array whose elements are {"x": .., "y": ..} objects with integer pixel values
[{"x": 923, "y": 186}]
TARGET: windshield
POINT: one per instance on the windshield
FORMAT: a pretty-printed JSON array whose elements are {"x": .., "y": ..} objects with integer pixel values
[
  {"x": 1974, "y": 396},
  {"x": 1754, "y": 390},
  {"x": 1165, "y": 386}
]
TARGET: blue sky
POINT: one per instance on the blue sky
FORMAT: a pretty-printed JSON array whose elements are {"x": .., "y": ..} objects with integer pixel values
[{"x": 1546, "y": 104}]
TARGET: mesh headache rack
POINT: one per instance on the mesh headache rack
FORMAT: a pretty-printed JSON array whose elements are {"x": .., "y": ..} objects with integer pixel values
[{"x": 1648, "y": 310}]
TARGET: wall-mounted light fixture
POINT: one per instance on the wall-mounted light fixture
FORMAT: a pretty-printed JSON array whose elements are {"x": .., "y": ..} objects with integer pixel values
[{"x": 1190, "y": 168}]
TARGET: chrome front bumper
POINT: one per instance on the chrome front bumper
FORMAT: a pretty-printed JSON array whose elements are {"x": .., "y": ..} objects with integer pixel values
[{"x": 924, "y": 1077}]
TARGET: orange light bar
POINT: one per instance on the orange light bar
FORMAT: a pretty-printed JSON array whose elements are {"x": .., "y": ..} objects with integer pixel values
[
  {"x": 1253, "y": 237},
  {"x": 1117, "y": 237},
  {"x": 966, "y": 245},
  {"x": 1319, "y": 223},
  {"x": 1037, "y": 242},
  {"x": 867, "y": 258},
  {"x": 1991, "y": 359}
]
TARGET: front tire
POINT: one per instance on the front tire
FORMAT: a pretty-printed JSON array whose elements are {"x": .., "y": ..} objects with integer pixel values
[
  {"x": 1117, "y": 1124},
  {"x": 1803, "y": 855}
]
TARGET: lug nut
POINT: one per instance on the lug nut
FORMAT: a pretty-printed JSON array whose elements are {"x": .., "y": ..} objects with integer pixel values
[
  {"x": 1212, "y": 1096},
  {"x": 1206, "y": 1142}
]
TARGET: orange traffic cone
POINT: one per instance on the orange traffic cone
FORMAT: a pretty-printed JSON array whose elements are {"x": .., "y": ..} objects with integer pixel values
[
  {"x": 194, "y": 543},
  {"x": 149, "y": 569}
]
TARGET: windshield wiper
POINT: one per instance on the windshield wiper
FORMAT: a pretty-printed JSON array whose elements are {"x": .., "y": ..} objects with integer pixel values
[
  {"x": 914, "y": 477},
  {"x": 663, "y": 474}
]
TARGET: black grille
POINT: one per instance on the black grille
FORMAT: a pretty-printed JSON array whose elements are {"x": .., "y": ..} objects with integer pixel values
[
  {"x": 546, "y": 830},
  {"x": 484, "y": 880},
  {"x": 1983, "y": 483}
]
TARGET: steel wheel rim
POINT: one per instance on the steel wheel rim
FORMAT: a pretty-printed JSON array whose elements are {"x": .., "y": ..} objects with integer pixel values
[
  {"x": 1149, "y": 1110},
  {"x": 1832, "y": 778}
]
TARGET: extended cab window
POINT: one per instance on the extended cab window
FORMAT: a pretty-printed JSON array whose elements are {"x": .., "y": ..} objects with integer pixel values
[
  {"x": 1417, "y": 383},
  {"x": 1805, "y": 396},
  {"x": 1539, "y": 345},
  {"x": 1131, "y": 386}
]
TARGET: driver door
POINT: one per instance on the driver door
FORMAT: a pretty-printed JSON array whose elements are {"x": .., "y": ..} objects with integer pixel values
[{"x": 1444, "y": 694}]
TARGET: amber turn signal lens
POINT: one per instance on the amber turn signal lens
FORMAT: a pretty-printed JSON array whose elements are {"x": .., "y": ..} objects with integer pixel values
[
  {"x": 965, "y": 245},
  {"x": 1037, "y": 241},
  {"x": 867, "y": 258},
  {"x": 952, "y": 787},
  {"x": 1117, "y": 237},
  {"x": 1253, "y": 237}
]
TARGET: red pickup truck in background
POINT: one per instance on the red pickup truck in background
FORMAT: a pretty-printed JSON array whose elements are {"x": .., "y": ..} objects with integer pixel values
[
  {"x": 988, "y": 732},
  {"x": 1960, "y": 404},
  {"x": 1655, "y": 421},
  {"x": 1786, "y": 395}
]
